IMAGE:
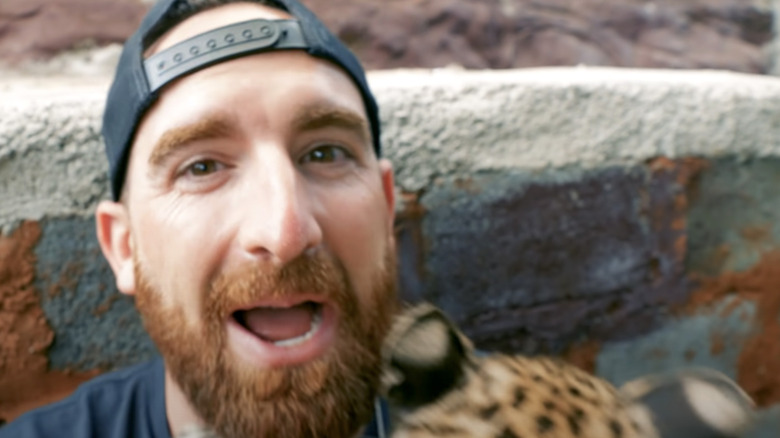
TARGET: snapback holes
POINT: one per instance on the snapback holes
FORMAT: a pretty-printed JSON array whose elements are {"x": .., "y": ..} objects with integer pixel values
[
  {"x": 211, "y": 44},
  {"x": 247, "y": 34},
  {"x": 230, "y": 38}
]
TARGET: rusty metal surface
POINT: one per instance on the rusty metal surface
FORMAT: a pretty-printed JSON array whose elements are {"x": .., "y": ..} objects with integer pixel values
[{"x": 534, "y": 263}]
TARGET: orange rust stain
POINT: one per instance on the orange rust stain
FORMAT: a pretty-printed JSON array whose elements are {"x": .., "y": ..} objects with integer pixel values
[
  {"x": 468, "y": 185},
  {"x": 757, "y": 233},
  {"x": 731, "y": 307},
  {"x": 684, "y": 172},
  {"x": 680, "y": 204},
  {"x": 717, "y": 343},
  {"x": 717, "y": 259},
  {"x": 105, "y": 306},
  {"x": 69, "y": 279},
  {"x": 759, "y": 362},
  {"x": 25, "y": 380},
  {"x": 681, "y": 246},
  {"x": 412, "y": 209},
  {"x": 658, "y": 353},
  {"x": 679, "y": 223},
  {"x": 690, "y": 169},
  {"x": 583, "y": 355},
  {"x": 662, "y": 164},
  {"x": 685, "y": 168}
]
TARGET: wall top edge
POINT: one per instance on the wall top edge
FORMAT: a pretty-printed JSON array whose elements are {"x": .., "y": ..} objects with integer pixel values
[
  {"x": 567, "y": 76},
  {"x": 74, "y": 86}
]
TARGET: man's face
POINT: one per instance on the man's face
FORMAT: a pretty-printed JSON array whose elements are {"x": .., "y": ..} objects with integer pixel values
[{"x": 256, "y": 233}]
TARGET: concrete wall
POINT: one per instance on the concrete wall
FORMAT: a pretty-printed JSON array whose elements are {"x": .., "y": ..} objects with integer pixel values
[{"x": 622, "y": 219}]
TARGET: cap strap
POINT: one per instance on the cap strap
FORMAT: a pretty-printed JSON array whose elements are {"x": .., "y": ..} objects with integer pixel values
[{"x": 221, "y": 44}]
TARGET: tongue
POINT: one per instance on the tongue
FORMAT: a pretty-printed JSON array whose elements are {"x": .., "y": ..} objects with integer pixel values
[{"x": 277, "y": 324}]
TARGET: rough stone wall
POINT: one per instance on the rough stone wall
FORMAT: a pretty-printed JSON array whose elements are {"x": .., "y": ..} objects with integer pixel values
[
  {"x": 714, "y": 34},
  {"x": 622, "y": 219}
]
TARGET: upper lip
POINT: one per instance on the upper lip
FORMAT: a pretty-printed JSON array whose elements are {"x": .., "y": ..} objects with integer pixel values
[{"x": 283, "y": 302}]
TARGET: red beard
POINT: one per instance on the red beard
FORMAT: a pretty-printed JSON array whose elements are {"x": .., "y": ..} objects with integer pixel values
[{"x": 331, "y": 396}]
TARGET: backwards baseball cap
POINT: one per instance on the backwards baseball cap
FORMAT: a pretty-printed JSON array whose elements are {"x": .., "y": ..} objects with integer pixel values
[{"x": 138, "y": 80}]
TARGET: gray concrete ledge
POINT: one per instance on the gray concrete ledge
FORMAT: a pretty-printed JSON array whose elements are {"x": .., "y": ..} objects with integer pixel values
[
  {"x": 436, "y": 123},
  {"x": 51, "y": 152},
  {"x": 444, "y": 121}
]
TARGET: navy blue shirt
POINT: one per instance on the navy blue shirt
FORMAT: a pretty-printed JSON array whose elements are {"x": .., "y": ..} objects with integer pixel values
[{"x": 129, "y": 403}]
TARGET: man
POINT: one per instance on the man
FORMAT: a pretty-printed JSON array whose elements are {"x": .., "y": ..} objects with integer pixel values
[{"x": 252, "y": 221}]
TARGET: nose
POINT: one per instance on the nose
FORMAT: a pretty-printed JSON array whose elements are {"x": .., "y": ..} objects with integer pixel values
[{"x": 278, "y": 223}]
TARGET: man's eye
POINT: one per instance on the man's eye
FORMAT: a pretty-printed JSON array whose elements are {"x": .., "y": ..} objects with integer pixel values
[
  {"x": 203, "y": 167},
  {"x": 326, "y": 154}
]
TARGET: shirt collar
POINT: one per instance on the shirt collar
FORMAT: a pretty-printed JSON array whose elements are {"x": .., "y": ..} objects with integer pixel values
[{"x": 378, "y": 428}]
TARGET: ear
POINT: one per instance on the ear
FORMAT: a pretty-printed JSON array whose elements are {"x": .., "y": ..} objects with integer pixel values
[
  {"x": 424, "y": 355},
  {"x": 113, "y": 232},
  {"x": 388, "y": 186}
]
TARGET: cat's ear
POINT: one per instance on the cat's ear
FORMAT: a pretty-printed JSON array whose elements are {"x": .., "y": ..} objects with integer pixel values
[{"x": 424, "y": 357}]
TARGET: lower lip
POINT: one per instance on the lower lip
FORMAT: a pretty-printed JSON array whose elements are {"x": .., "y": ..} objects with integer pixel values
[{"x": 263, "y": 354}]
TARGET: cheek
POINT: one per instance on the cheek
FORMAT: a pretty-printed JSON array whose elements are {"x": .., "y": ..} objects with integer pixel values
[
  {"x": 357, "y": 232},
  {"x": 177, "y": 252}
]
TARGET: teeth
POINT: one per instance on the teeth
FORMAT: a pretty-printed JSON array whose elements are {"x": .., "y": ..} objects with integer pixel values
[{"x": 316, "y": 320}]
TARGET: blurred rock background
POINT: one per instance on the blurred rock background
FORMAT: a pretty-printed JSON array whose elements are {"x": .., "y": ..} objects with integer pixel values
[{"x": 82, "y": 36}]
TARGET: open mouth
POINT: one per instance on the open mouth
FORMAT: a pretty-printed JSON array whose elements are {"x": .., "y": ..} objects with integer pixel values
[{"x": 282, "y": 326}]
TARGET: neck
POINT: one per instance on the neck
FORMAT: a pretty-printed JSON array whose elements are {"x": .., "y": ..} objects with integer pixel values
[{"x": 181, "y": 415}]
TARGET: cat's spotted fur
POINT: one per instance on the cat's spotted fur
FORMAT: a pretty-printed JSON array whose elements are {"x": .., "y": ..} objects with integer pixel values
[{"x": 439, "y": 387}]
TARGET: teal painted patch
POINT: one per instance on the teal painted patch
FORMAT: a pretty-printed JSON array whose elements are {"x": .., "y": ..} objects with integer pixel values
[
  {"x": 94, "y": 325},
  {"x": 733, "y": 211},
  {"x": 708, "y": 339}
]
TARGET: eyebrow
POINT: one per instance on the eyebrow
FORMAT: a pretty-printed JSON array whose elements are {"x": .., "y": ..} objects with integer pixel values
[
  {"x": 321, "y": 116},
  {"x": 175, "y": 139}
]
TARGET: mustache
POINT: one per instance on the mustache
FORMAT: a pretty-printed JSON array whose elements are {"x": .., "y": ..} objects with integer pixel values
[{"x": 317, "y": 275}]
